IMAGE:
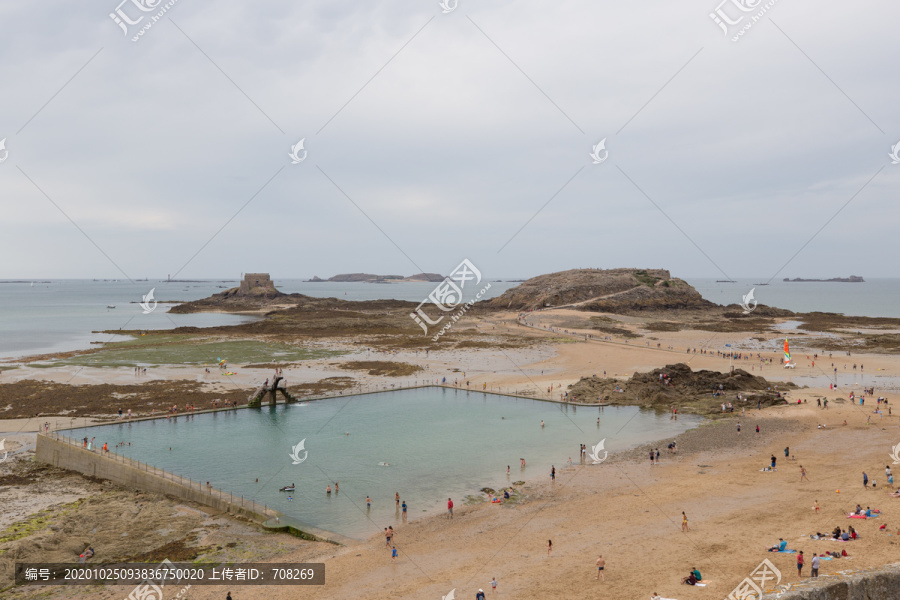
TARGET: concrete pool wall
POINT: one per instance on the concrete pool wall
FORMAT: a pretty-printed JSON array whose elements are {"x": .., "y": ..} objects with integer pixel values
[{"x": 66, "y": 453}]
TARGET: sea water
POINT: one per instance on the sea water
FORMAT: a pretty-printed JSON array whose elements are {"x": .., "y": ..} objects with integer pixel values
[
  {"x": 59, "y": 315},
  {"x": 428, "y": 444},
  {"x": 871, "y": 298}
]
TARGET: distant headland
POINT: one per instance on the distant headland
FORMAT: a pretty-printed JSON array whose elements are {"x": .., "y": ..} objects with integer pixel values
[
  {"x": 851, "y": 279},
  {"x": 370, "y": 278}
]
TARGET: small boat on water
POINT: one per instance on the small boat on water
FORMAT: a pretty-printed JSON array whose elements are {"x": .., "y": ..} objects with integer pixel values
[
  {"x": 287, "y": 488},
  {"x": 110, "y": 306}
]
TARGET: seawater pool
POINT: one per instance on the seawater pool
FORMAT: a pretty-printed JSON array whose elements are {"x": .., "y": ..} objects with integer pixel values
[{"x": 428, "y": 444}]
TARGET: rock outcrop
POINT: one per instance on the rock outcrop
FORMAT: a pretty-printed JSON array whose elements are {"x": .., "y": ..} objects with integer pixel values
[
  {"x": 603, "y": 290},
  {"x": 680, "y": 386}
]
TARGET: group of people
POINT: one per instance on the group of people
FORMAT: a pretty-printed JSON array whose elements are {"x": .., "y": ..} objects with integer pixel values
[{"x": 693, "y": 577}]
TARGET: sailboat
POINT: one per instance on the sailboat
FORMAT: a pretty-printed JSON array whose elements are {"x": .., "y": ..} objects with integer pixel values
[{"x": 787, "y": 356}]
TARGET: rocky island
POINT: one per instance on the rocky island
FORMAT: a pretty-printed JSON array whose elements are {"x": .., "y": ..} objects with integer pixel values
[
  {"x": 851, "y": 279},
  {"x": 370, "y": 278}
]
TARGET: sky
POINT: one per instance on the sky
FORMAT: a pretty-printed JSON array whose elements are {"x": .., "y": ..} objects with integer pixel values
[{"x": 433, "y": 136}]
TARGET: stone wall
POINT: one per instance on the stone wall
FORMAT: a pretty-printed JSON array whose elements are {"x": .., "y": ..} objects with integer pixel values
[
  {"x": 882, "y": 583},
  {"x": 135, "y": 474}
]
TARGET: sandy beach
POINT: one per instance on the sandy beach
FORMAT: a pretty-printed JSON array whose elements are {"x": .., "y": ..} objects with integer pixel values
[{"x": 624, "y": 508}]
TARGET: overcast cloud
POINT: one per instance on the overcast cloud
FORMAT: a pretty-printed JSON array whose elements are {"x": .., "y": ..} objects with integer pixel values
[{"x": 471, "y": 121}]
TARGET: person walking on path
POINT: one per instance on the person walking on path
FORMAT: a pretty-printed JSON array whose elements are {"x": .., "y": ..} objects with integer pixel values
[
  {"x": 601, "y": 565},
  {"x": 449, "y": 508},
  {"x": 684, "y": 522},
  {"x": 815, "y": 565},
  {"x": 800, "y": 564},
  {"x": 803, "y": 474}
]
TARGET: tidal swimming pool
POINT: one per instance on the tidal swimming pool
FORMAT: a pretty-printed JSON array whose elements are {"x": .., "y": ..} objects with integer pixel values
[{"x": 428, "y": 444}]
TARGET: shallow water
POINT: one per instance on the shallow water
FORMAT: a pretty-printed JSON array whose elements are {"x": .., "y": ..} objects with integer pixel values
[{"x": 438, "y": 443}]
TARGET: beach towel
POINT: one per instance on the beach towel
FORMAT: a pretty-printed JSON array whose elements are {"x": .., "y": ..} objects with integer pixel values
[
  {"x": 786, "y": 551},
  {"x": 826, "y": 558}
]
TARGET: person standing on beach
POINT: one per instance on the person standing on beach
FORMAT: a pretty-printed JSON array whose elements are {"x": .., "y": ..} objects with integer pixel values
[
  {"x": 397, "y": 498},
  {"x": 449, "y": 508},
  {"x": 651, "y": 457},
  {"x": 494, "y": 585},
  {"x": 757, "y": 430},
  {"x": 552, "y": 473},
  {"x": 739, "y": 428},
  {"x": 684, "y": 522},
  {"x": 803, "y": 474},
  {"x": 368, "y": 503},
  {"x": 601, "y": 565},
  {"x": 800, "y": 564},
  {"x": 815, "y": 565},
  {"x": 393, "y": 553},
  {"x": 549, "y": 547},
  {"x": 816, "y": 506}
]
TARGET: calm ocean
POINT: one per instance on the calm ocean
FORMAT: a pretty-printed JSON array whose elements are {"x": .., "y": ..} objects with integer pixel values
[{"x": 60, "y": 315}]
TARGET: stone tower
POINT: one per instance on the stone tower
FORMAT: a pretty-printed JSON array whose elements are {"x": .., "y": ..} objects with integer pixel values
[{"x": 256, "y": 283}]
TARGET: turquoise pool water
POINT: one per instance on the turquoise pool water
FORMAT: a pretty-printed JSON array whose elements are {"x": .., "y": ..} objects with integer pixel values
[{"x": 435, "y": 443}]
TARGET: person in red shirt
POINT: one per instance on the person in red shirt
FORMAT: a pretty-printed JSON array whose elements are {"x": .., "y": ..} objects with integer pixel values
[
  {"x": 449, "y": 508},
  {"x": 800, "y": 564}
]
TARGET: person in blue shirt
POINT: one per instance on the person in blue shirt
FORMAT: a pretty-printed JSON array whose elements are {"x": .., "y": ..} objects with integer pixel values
[
  {"x": 780, "y": 547},
  {"x": 697, "y": 574},
  {"x": 479, "y": 595}
]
